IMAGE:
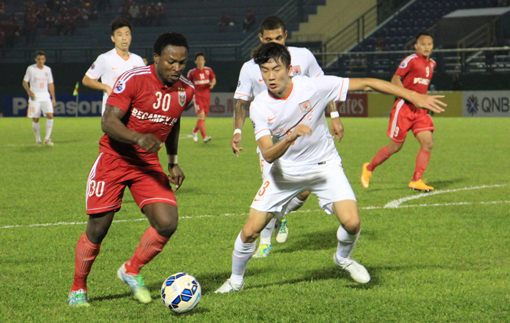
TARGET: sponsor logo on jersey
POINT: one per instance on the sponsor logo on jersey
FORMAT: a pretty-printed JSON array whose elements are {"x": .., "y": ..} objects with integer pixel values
[
  {"x": 119, "y": 86},
  {"x": 305, "y": 106},
  {"x": 182, "y": 98},
  {"x": 472, "y": 105},
  {"x": 296, "y": 70},
  {"x": 419, "y": 80}
]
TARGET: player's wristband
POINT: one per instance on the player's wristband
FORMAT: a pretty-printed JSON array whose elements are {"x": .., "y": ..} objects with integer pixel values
[
  {"x": 172, "y": 160},
  {"x": 334, "y": 114},
  {"x": 237, "y": 131}
]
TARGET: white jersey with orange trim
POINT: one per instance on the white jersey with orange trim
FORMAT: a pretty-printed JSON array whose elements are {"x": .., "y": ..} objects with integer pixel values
[
  {"x": 38, "y": 79},
  {"x": 250, "y": 78},
  {"x": 109, "y": 66},
  {"x": 305, "y": 104}
]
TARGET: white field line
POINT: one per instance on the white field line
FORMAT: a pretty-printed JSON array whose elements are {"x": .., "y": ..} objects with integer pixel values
[{"x": 394, "y": 204}]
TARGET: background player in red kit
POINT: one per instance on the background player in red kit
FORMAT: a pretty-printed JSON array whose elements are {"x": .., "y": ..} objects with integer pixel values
[
  {"x": 204, "y": 80},
  {"x": 414, "y": 73},
  {"x": 141, "y": 115}
]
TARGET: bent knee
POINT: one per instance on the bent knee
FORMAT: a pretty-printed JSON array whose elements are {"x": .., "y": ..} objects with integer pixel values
[{"x": 166, "y": 228}]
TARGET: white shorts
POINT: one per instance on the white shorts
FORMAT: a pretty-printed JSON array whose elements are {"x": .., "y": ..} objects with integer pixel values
[
  {"x": 36, "y": 106},
  {"x": 326, "y": 180}
]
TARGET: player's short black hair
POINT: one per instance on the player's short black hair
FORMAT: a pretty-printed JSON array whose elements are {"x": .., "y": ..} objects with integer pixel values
[
  {"x": 272, "y": 23},
  {"x": 423, "y": 33},
  {"x": 119, "y": 23},
  {"x": 199, "y": 54},
  {"x": 169, "y": 38},
  {"x": 265, "y": 52},
  {"x": 40, "y": 53}
]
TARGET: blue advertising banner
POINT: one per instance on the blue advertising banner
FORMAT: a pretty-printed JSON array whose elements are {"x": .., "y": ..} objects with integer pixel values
[{"x": 89, "y": 105}]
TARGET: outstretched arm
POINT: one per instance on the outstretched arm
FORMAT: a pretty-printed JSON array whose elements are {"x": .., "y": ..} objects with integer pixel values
[
  {"x": 240, "y": 111},
  {"x": 176, "y": 176},
  {"x": 422, "y": 101}
]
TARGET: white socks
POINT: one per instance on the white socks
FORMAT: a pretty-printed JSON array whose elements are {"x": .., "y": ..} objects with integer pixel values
[
  {"x": 49, "y": 127},
  {"x": 346, "y": 242},
  {"x": 240, "y": 257},
  {"x": 37, "y": 133},
  {"x": 293, "y": 205},
  {"x": 265, "y": 235}
]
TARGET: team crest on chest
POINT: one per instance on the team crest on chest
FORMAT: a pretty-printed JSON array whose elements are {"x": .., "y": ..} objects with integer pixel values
[
  {"x": 305, "y": 106},
  {"x": 296, "y": 70},
  {"x": 182, "y": 98}
]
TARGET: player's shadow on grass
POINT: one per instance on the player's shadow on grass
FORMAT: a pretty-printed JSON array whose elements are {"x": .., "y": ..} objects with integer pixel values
[{"x": 211, "y": 282}]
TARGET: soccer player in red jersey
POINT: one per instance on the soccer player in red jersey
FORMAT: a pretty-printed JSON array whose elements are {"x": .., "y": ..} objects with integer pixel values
[
  {"x": 204, "y": 80},
  {"x": 414, "y": 73},
  {"x": 142, "y": 113}
]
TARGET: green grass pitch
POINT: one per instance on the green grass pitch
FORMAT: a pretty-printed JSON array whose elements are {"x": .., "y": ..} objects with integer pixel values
[{"x": 441, "y": 257}]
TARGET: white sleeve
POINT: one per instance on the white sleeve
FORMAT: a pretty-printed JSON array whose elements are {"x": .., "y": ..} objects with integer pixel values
[
  {"x": 244, "y": 90},
  {"x": 314, "y": 69},
  {"x": 26, "y": 78},
  {"x": 260, "y": 123},
  {"x": 50, "y": 76},
  {"x": 98, "y": 68},
  {"x": 332, "y": 88}
]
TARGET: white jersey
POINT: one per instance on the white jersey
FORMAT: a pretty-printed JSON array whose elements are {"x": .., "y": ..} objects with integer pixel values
[
  {"x": 109, "y": 66},
  {"x": 38, "y": 79},
  {"x": 305, "y": 104},
  {"x": 250, "y": 78}
]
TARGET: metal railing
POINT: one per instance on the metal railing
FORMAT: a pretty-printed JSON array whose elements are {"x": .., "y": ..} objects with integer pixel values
[{"x": 487, "y": 60}]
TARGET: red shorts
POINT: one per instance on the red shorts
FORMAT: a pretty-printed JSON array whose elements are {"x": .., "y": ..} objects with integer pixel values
[
  {"x": 404, "y": 118},
  {"x": 202, "y": 105},
  {"x": 109, "y": 177}
]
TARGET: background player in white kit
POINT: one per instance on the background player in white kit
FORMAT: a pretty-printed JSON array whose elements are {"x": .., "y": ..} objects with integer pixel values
[
  {"x": 110, "y": 65},
  {"x": 292, "y": 134},
  {"x": 272, "y": 29},
  {"x": 38, "y": 82}
]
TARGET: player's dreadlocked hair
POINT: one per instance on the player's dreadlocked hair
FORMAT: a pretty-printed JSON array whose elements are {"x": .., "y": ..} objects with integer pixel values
[
  {"x": 119, "y": 23},
  {"x": 272, "y": 23},
  {"x": 169, "y": 38},
  {"x": 265, "y": 52}
]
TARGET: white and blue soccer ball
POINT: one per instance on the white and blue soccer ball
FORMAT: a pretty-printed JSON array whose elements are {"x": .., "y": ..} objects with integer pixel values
[{"x": 181, "y": 292}]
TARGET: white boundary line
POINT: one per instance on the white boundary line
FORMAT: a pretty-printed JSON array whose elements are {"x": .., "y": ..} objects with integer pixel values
[
  {"x": 393, "y": 204},
  {"x": 396, "y": 203}
]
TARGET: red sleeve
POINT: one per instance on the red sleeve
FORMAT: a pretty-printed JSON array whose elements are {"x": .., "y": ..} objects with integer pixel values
[
  {"x": 123, "y": 92},
  {"x": 404, "y": 67},
  {"x": 190, "y": 76},
  {"x": 212, "y": 75}
]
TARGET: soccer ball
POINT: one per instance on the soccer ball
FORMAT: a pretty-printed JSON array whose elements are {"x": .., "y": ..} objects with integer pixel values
[{"x": 181, "y": 292}]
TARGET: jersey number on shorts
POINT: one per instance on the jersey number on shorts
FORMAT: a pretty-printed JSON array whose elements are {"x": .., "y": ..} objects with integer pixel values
[
  {"x": 163, "y": 101},
  {"x": 96, "y": 188},
  {"x": 262, "y": 191},
  {"x": 395, "y": 133}
]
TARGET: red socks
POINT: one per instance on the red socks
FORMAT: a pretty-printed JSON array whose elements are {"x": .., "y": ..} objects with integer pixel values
[
  {"x": 86, "y": 253},
  {"x": 422, "y": 161},
  {"x": 150, "y": 246},
  {"x": 381, "y": 156},
  {"x": 200, "y": 126}
]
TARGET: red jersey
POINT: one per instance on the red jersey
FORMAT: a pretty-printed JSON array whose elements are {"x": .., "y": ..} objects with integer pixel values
[
  {"x": 416, "y": 72},
  {"x": 201, "y": 79},
  {"x": 150, "y": 107}
]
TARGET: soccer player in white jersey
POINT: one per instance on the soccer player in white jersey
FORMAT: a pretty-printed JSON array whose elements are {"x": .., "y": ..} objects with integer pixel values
[
  {"x": 272, "y": 29},
  {"x": 38, "y": 82},
  {"x": 292, "y": 134},
  {"x": 110, "y": 65}
]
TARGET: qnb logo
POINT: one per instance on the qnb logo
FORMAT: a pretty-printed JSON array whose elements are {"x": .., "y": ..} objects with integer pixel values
[
  {"x": 419, "y": 80},
  {"x": 472, "y": 105}
]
